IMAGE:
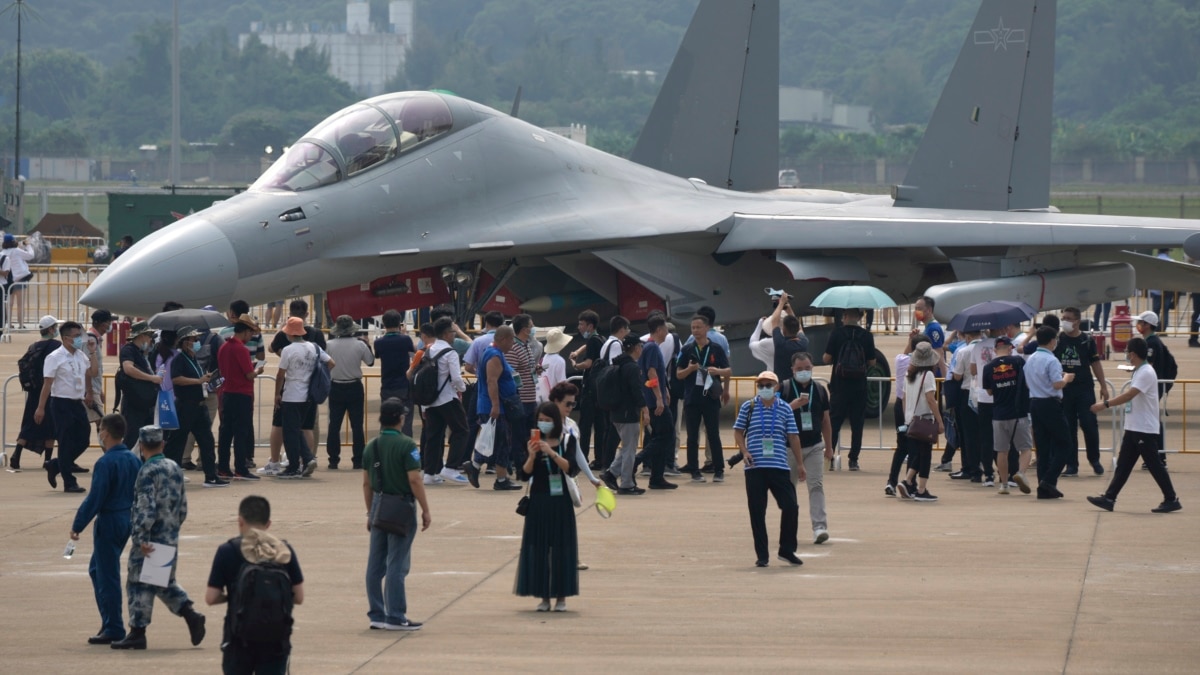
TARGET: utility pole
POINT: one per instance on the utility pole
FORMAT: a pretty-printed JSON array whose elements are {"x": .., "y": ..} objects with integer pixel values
[{"x": 175, "y": 142}]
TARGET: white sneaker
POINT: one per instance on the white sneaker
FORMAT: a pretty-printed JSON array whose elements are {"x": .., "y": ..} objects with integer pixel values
[
  {"x": 283, "y": 462},
  {"x": 271, "y": 469},
  {"x": 820, "y": 535},
  {"x": 433, "y": 479},
  {"x": 1003, "y": 488},
  {"x": 453, "y": 476}
]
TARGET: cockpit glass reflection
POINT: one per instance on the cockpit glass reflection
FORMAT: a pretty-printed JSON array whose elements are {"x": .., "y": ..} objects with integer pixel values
[{"x": 304, "y": 167}]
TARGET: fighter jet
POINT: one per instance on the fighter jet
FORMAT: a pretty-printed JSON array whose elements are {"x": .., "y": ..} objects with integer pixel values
[{"x": 399, "y": 198}]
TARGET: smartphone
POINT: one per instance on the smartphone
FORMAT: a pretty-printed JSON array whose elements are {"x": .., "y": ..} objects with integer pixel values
[{"x": 536, "y": 434}]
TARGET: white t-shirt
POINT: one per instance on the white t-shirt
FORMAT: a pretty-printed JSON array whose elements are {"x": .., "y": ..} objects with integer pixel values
[
  {"x": 962, "y": 364},
  {"x": 554, "y": 370},
  {"x": 70, "y": 373},
  {"x": 914, "y": 395},
  {"x": 1141, "y": 414},
  {"x": 298, "y": 359},
  {"x": 981, "y": 354},
  {"x": 611, "y": 349}
]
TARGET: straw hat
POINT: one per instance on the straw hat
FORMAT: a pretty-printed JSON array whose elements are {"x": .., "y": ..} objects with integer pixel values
[{"x": 556, "y": 340}]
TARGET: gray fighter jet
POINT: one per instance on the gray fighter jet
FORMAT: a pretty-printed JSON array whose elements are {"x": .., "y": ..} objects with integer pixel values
[{"x": 393, "y": 200}]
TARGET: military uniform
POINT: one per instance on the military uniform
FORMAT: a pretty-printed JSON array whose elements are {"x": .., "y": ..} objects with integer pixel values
[{"x": 159, "y": 509}]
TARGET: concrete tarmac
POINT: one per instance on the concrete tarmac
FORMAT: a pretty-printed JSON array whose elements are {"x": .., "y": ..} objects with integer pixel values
[{"x": 976, "y": 582}]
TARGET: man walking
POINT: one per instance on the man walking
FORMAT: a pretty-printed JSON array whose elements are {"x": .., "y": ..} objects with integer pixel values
[
  {"x": 659, "y": 445},
  {"x": 1160, "y": 359},
  {"x": 296, "y": 363},
  {"x": 498, "y": 404},
  {"x": 109, "y": 503},
  {"x": 810, "y": 407},
  {"x": 137, "y": 382},
  {"x": 1141, "y": 433},
  {"x": 237, "y": 398},
  {"x": 765, "y": 429},
  {"x": 850, "y": 350},
  {"x": 346, "y": 395},
  {"x": 36, "y": 436},
  {"x": 102, "y": 321},
  {"x": 65, "y": 378},
  {"x": 159, "y": 509},
  {"x": 297, "y": 309},
  {"x": 1077, "y": 352},
  {"x": 523, "y": 359},
  {"x": 586, "y": 358},
  {"x": 446, "y": 412},
  {"x": 1046, "y": 380},
  {"x": 391, "y": 466},
  {"x": 628, "y": 417}
]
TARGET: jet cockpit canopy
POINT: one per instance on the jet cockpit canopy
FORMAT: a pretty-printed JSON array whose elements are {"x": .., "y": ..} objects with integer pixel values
[{"x": 358, "y": 138}]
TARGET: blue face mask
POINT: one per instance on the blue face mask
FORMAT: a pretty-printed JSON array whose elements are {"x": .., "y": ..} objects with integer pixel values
[
  {"x": 545, "y": 427},
  {"x": 78, "y": 342},
  {"x": 766, "y": 393},
  {"x": 802, "y": 376}
]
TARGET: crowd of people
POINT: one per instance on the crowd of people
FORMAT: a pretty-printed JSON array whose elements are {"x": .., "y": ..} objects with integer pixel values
[{"x": 1003, "y": 392}]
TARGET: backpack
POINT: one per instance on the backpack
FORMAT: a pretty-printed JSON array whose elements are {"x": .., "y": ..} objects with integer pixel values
[
  {"x": 29, "y": 367},
  {"x": 260, "y": 608},
  {"x": 607, "y": 380},
  {"x": 1170, "y": 366},
  {"x": 851, "y": 361},
  {"x": 425, "y": 387},
  {"x": 676, "y": 384},
  {"x": 321, "y": 381}
]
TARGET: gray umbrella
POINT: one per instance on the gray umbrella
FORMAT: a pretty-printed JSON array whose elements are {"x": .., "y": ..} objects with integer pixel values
[{"x": 196, "y": 318}]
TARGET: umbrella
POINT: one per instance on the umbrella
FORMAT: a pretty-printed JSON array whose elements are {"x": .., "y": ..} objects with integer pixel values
[
  {"x": 991, "y": 314},
  {"x": 196, "y": 318},
  {"x": 853, "y": 297}
]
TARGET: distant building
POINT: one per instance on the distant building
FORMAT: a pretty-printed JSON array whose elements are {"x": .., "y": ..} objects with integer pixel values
[
  {"x": 363, "y": 55},
  {"x": 814, "y": 107}
]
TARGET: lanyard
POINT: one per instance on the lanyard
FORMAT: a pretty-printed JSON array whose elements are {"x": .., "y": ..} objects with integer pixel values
[
  {"x": 796, "y": 394},
  {"x": 195, "y": 366},
  {"x": 773, "y": 418},
  {"x": 703, "y": 360}
]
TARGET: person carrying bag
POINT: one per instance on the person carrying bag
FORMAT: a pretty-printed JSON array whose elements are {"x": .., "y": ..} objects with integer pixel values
[{"x": 924, "y": 422}]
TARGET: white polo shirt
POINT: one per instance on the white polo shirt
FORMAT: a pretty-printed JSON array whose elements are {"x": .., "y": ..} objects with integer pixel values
[{"x": 69, "y": 372}]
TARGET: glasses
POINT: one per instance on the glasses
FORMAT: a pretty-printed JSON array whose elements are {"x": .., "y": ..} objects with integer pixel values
[{"x": 569, "y": 404}]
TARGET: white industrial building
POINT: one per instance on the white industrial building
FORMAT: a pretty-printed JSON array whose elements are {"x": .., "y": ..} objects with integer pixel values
[
  {"x": 361, "y": 54},
  {"x": 817, "y": 108}
]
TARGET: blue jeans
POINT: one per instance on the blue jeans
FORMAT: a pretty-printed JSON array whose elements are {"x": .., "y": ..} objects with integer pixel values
[
  {"x": 111, "y": 533},
  {"x": 387, "y": 564}
]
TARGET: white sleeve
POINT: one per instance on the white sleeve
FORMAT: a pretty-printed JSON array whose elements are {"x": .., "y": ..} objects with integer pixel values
[{"x": 762, "y": 348}]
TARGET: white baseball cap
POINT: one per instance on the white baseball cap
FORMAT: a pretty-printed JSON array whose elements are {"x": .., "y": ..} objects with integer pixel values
[
  {"x": 1149, "y": 317},
  {"x": 46, "y": 322}
]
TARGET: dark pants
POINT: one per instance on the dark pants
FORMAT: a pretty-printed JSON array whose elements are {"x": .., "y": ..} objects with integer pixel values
[
  {"x": 402, "y": 394},
  {"x": 110, "y": 534},
  {"x": 968, "y": 437},
  {"x": 848, "y": 402},
  {"x": 1135, "y": 444},
  {"x": 73, "y": 433},
  {"x": 1194, "y": 326},
  {"x": 659, "y": 444},
  {"x": 193, "y": 419},
  {"x": 708, "y": 411},
  {"x": 1162, "y": 304},
  {"x": 244, "y": 660},
  {"x": 1077, "y": 403},
  {"x": 779, "y": 483},
  {"x": 518, "y": 430},
  {"x": 237, "y": 423},
  {"x": 1100, "y": 316},
  {"x": 902, "y": 443},
  {"x": 950, "y": 419},
  {"x": 987, "y": 444},
  {"x": 587, "y": 418},
  {"x": 1051, "y": 438},
  {"x": 920, "y": 457},
  {"x": 346, "y": 397},
  {"x": 291, "y": 418},
  {"x": 136, "y": 417},
  {"x": 607, "y": 438},
  {"x": 447, "y": 415}
]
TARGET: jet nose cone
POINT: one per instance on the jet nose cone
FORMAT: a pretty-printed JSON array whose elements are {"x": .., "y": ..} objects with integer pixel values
[{"x": 191, "y": 262}]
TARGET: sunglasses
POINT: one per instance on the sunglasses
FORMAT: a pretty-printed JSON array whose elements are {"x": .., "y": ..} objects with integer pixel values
[{"x": 570, "y": 404}]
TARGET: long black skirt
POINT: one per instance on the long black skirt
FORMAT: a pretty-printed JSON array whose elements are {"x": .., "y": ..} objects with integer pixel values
[
  {"x": 32, "y": 433},
  {"x": 549, "y": 564}
]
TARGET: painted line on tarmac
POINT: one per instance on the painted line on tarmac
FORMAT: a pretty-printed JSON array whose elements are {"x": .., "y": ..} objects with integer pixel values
[
  {"x": 1082, "y": 589},
  {"x": 40, "y": 522}
]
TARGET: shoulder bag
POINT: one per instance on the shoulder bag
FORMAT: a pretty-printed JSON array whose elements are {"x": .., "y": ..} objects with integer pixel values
[
  {"x": 394, "y": 514},
  {"x": 922, "y": 427}
]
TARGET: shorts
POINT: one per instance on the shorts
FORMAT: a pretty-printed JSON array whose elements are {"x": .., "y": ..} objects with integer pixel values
[
  {"x": 310, "y": 418},
  {"x": 275, "y": 303},
  {"x": 1017, "y": 433}
]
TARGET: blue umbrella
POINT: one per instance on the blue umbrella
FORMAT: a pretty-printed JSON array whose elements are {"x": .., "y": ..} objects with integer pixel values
[
  {"x": 853, "y": 297},
  {"x": 991, "y": 314}
]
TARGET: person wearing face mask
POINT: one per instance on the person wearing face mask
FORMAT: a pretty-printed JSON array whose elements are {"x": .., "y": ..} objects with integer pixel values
[
  {"x": 102, "y": 321},
  {"x": 766, "y": 429},
  {"x": 583, "y": 359},
  {"x": 137, "y": 384},
  {"x": 923, "y": 314},
  {"x": 37, "y": 437},
  {"x": 188, "y": 379},
  {"x": 1077, "y": 352},
  {"x": 65, "y": 387},
  {"x": 810, "y": 406},
  {"x": 626, "y": 418}
]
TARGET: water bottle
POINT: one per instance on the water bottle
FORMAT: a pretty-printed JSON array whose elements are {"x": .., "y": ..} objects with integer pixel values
[{"x": 70, "y": 549}]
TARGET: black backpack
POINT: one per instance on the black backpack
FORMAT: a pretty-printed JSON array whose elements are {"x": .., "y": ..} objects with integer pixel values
[
  {"x": 29, "y": 367},
  {"x": 425, "y": 387},
  {"x": 608, "y": 387},
  {"x": 851, "y": 362},
  {"x": 260, "y": 609}
]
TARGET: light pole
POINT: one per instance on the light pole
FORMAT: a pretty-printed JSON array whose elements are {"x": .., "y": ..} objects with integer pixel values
[
  {"x": 19, "y": 8},
  {"x": 175, "y": 149}
]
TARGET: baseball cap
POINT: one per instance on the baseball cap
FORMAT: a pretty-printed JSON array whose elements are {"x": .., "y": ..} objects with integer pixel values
[
  {"x": 46, "y": 322},
  {"x": 630, "y": 342},
  {"x": 1149, "y": 317},
  {"x": 1004, "y": 340},
  {"x": 150, "y": 435},
  {"x": 767, "y": 375},
  {"x": 294, "y": 326}
]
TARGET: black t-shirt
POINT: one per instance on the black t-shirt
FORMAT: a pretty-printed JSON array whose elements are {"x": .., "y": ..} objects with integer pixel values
[
  {"x": 709, "y": 356},
  {"x": 594, "y": 344},
  {"x": 818, "y": 405},
  {"x": 784, "y": 349},
  {"x": 311, "y": 334},
  {"x": 227, "y": 565},
  {"x": 843, "y": 334},
  {"x": 130, "y": 352},
  {"x": 184, "y": 366},
  {"x": 1004, "y": 376},
  {"x": 1077, "y": 354},
  {"x": 395, "y": 352}
]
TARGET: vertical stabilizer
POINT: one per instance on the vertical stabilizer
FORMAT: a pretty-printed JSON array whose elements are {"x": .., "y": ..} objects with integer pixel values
[
  {"x": 987, "y": 146},
  {"x": 717, "y": 114}
]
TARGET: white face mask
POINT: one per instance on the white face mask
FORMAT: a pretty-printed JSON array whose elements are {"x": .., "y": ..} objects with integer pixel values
[
  {"x": 766, "y": 393},
  {"x": 1068, "y": 326}
]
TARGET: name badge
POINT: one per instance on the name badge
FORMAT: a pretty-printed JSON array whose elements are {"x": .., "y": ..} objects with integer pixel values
[
  {"x": 806, "y": 420},
  {"x": 556, "y": 485},
  {"x": 517, "y": 379},
  {"x": 768, "y": 447},
  {"x": 1128, "y": 407}
]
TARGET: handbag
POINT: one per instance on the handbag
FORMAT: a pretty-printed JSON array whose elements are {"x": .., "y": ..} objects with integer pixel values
[
  {"x": 523, "y": 504},
  {"x": 485, "y": 441},
  {"x": 394, "y": 514},
  {"x": 168, "y": 417},
  {"x": 573, "y": 489},
  {"x": 922, "y": 427}
]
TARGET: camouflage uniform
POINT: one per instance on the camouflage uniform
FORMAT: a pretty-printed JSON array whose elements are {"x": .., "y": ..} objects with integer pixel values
[{"x": 159, "y": 509}]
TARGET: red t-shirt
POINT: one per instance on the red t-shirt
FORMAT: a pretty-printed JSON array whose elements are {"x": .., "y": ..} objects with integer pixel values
[{"x": 234, "y": 361}]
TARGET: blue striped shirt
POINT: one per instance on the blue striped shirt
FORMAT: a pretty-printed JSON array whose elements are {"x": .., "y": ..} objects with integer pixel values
[
  {"x": 1042, "y": 370},
  {"x": 761, "y": 425}
]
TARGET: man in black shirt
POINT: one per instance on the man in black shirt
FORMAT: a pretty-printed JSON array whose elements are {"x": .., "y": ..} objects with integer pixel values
[
  {"x": 810, "y": 405},
  {"x": 138, "y": 383},
  {"x": 848, "y": 389},
  {"x": 704, "y": 368},
  {"x": 256, "y": 546},
  {"x": 1004, "y": 379},
  {"x": 1077, "y": 352},
  {"x": 584, "y": 358},
  {"x": 787, "y": 337}
]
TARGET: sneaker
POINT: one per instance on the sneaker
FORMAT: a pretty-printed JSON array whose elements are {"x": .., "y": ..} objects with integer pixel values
[
  {"x": 245, "y": 476},
  {"x": 902, "y": 491},
  {"x": 853, "y": 466},
  {"x": 288, "y": 474},
  {"x": 284, "y": 462},
  {"x": 271, "y": 469},
  {"x": 820, "y": 535},
  {"x": 560, "y": 606},
  {"x": 1167, "y": 507},
  {"x": 761, "y": 563},
  {"x": 672, "y": 472},
  {"x": 1098, "y": 468},
  {"x": 506, "y": 484},
  {"x": 490, "y": 471},
  {"x": 472, "y": 474},
  {"x": 1070, "y": 473},
  {"x": 976, "y": 479},
  {"x": 610, "y": 480},
  {"x": 960, "y": 475},
  {"x": 1019, "y": 479},
  {"x": 221, "y": 473},
  {"x": 789, "y": 557},
  {"x": 333, "y": 466},
  {"x": 889, "y": 490},
  {"x": 189, "y": 466},
  {"x": 663, "y": 485},
  {"x": 635, "y": 490},
  {"x": 645, "y": 471},
  {"x": 310, "y": 467},
  {"x": 216, "y": 483},
  {"x": 925, "y": 497},
  {"x": 1003, "y": 489},
  {"x": 989, "y": 482},
  {"x": 707, "y": 468},
  {"x": 1102, "y": 502},
  {"x": 1012, "y": 483},
  {"x": 432, "y": 479},
  {"x": 377, "y": 625},
  {"x": 454, "y": 476},
  {"x": 403, "y": 625},
  {"x": 944, "y": 466},
  {"x": 543, "y": 606},
  {"x": 698, "y": 478},
  {"x": 719, "y": 478}
]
